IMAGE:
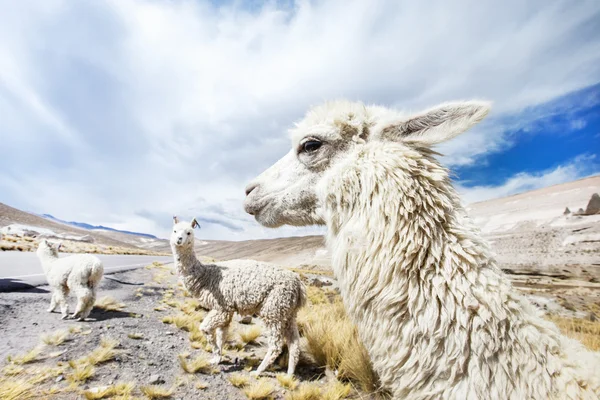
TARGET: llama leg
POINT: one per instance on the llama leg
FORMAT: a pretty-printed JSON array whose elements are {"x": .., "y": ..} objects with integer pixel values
[
  {"x": 61, "y": 299},
  {"x": 221, "y": 337},
  {"x": 90, "y": 305},
  {"x": 52, "y": 302},
  {"x": 274, "y": 349},
  {"x": 214, "y": 320},
  {"x": 292, "y": 337},
  {"x": 84, "y": 296}
]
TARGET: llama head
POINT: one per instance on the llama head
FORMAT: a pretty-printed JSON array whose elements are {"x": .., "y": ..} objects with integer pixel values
[
  {"x": 183, "y": 232},
  {"x": 286, "y": 193},
  {"x": 46, "y": 248}
]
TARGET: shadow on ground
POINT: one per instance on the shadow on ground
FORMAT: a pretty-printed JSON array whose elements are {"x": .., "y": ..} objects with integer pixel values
[{"x": 17, "y": 285}]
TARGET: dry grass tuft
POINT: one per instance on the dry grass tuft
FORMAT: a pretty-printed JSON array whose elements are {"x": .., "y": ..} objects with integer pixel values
[
  {"x": 17, "y": 389},
  {"x": 316, "y": 295},
  {"x": 135, "y": 336},
  {"x": 306, "y": 391},
  {"x": 261, "y": 389},
  {"x": 287, "y": 381},
  {"x": 238, "y": 380},
  {"x": 157, "y": 392},
  {"x": 29, "y": 357},
  {"x": 185, "y": 322},
  {"x": 107, "y": 303},
  {"x": 250, "y": 334},
  {"x": 201, "y": 385},
  {"x": 587, "y": 332},
  {"x": 120, "y": 389},
  {"x": 333, "y": 342},
  {"x": 81, "y": 372},
  {"x": 55, "y": 339},
  {"x": 105, "y": 352},
  {"x": 198, "y": 364},
  {"x": 12, "y": 369},
  {"x": 75, "y": 329},
  {"x": 336, "y": 390}
]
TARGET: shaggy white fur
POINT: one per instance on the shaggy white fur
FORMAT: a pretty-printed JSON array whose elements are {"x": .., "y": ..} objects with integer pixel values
[
  {"x": 79, "y": 274},
  {"x": 437, "y": 316},
  {"x": 243, "y": 286}
]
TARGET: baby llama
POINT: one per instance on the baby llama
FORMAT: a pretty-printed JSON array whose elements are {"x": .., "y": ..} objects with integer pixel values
[
  {"x": 438, "y": 317},
  {"x": 79, "y": 274},
  {"x": 242, "y": 286}
]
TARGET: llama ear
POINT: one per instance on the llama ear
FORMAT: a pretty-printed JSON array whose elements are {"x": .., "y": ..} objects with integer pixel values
[
  {"x": 175, "y": 219},
  {"x": 58, "y": 245},
  {"x": 435, "y": 125},
  {"x": 195, "y": 224}
]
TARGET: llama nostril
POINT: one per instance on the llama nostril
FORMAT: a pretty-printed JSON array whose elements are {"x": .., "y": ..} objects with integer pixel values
[{"x": 250, "y": 188}]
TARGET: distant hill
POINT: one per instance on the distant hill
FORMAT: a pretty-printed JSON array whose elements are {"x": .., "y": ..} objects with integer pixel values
[{"x": 96, "y": 227}]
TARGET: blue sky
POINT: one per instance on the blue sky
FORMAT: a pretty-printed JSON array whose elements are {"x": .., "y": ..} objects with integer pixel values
[{"x": 122, "y": 113}]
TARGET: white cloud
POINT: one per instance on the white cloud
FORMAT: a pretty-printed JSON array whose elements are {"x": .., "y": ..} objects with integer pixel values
[
  {"x": 578, "y": 168},
  {"x": 125, "y": 112}
]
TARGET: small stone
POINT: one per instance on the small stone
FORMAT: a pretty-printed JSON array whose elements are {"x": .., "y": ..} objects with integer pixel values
[
  {"x": 591, "y": 317},
  {"x": 156, "y": 380},
  {"x": 59, "y": 378},
  {"x": 169, "y": 333},
  {"x": 593, "y": 206}
]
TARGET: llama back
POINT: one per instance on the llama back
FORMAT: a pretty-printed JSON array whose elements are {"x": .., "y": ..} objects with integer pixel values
[{"x": 86, "y": 270}]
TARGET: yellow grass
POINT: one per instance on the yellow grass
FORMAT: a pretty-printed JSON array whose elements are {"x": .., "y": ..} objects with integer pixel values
[
  {"x": 29, "y": 357},
  {"x": 135, "y": 336},
  {"x": 238, "y": 380},
  {"x": 16, "y": 389},
  {"x": 312, "y": 271},
  {"x": 287, "y": 381},
  {"x": 56, "y": 338},
  {"x": 12, "y": 369},
  {"x": 201, "y": 385},
  {"x": 316, "y": 295},
  {"x": 157, "y": 392},
  {"x": 75, "y": 329},
  {"x": 335, "y": 390},
  {"x": 333, "y": 342},
  {"x": 107, "y": 303},
  {"x": 306, "y": 391},
  {"x": 81, "y": 372},
  {"x": 198, "y": 364},
  {"x": 120, "y": 389},
  {"x": 261, "y": 389},
  {"x": 101, "y": 354},
  {"x": 250, "y": 334},
  {"x": 44, "y": 373},
  {"x": 587, "y": 332},
  {"x": 185, "y": 322}
]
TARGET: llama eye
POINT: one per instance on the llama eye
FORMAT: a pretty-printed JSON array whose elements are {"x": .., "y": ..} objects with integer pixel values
[
  {"x": 174, "y": 231},
  {"x": 311, "y": 146},
  {"x": 189, "y": 233}
]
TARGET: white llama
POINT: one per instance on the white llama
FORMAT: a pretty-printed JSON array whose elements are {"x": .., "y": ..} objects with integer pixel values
[
  {"x": 437, "y": 316},
  {"x": 79, "y": 274},
  {"x": 243, "y": 286}
]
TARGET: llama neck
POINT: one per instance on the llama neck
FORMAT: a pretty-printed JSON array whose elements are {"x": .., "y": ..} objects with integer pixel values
[
  {"x": 396, "y": 225},
  {"x": 47, "y": 260},
  {"x": 186, "y": 262}
]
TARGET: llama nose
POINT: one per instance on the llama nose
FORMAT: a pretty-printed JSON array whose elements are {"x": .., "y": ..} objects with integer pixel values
[
  {"x": 179, "y": 240},
  {"x": 250, "y": 188}
]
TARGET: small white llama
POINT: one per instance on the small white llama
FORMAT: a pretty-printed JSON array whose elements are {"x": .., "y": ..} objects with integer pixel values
[
  {"x": 243, "y": 286},
  {"x": 79, "y": 274}
]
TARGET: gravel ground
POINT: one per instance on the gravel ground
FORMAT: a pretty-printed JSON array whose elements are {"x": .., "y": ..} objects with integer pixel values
[{"x": 150, "y": 360}]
